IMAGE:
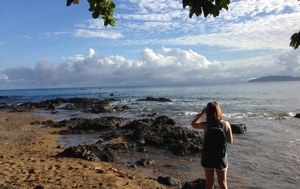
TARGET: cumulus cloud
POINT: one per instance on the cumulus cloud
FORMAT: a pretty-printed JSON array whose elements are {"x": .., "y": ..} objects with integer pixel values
[
  {"x": 290, "y": 62},
  {"x": 153, "y": 67}
]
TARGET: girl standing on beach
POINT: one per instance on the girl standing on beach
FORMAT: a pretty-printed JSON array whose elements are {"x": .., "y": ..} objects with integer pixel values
[{"x": 217, "y": 133}]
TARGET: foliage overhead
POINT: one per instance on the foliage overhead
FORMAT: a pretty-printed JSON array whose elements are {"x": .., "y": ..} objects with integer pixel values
[
  {"x": 295, "y": 40},
  {"x": 105, "y": 9},
  {"x": 206, "y": 7}
]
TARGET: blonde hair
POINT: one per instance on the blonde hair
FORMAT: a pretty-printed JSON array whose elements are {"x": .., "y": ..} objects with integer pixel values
[{"x": 213, "y": 113}]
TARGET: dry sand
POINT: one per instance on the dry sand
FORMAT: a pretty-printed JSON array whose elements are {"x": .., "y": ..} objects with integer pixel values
[{"x": 27, "y": 160}]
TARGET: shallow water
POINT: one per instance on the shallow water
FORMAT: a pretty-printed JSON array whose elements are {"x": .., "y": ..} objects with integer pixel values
[
  {"x": 78, "y": 139},
  {"x": 267, "y": 156}
]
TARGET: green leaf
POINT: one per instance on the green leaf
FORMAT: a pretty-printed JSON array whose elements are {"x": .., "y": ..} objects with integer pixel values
[
  {"x": 110, "y": 5},
  {"x": 92, "y": 6},
  {"x": 225, "y": 6},
  {"x": 198, "y": 11},
  {"x": 103, "y": 12},
  {"x": 106, "y": 22},
  {"x": 227, "y": 2},
  {"x": 112, "y": 23},
  {"x": 185, "y": 3},
  {"x": 95, "y": 14},
  {"x": 218, "y": 2},
  {"x": 295, "y": 40},
  {"x": 192, "y": 11},
  {"x": 69, "y": 2},
  {"x": 215, "y": 11},
  {"x": 207, "y": 8}
]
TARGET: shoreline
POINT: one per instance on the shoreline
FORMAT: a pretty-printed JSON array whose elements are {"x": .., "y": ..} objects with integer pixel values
[{"x": 27, "y": 160}]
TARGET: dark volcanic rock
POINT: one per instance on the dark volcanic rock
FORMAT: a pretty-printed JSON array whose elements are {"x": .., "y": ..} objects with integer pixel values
[
  {"x": 238, "y": 128},
  {"x": 164, "y": 120},
  {"x": 71, "y": 106},
  {"x": 196, "y": 184},
  {"x": 121, "y": 108},
  {"x": 24, "y": 107},
  {"x": 120, "y": 146},
  {"x": 98, "y": 124},
  {"x": 145, "y": 162},
  {"x": 94, "y": 152},
  {"x": 84, "y": 104},
  {"x": 102, "y": 107},
  {"x": 90, "y": 105},
  {"x": 168, "y": 181},
  {"x": 48, "y": 123},
  {"x": 138, "y": 124},
  {"x": 155, "y": 99},
  {"x": 163, "y": 133},
  {"x": 297, "y": 115}
]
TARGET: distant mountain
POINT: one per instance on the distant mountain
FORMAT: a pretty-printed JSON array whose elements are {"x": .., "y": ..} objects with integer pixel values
[{"x": 274, "y": 79}]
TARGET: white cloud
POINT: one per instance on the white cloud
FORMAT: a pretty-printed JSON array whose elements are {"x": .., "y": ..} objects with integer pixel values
[
  {"x": 151, "y": 17},
  {"x": 290, "y": 62},
  {"x": 247, "y": 25},
  {"x": 49, "y": 34},
  {"x": 97, "y": 33},
  {"x": 270, "y": 32},
  {"x": 257, "y": 8},
  {"x": 163, "y": 66},
  {"x": 156, "y": 5}
]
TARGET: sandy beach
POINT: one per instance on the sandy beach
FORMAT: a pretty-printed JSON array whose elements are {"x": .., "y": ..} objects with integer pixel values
[{"x": 27, "y": 160}]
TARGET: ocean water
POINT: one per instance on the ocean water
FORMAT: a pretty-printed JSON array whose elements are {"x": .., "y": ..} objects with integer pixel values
[{"x": 267, "y": 156}]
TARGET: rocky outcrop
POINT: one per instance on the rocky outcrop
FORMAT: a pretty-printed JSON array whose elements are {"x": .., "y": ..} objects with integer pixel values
[
  {"x": 83, "y": 104},
  {"x": 94, "y": 152},
  {"x": 196, "y": 184},
  {"x": 102, "y": 107},
  {"x": 297, "y": 115},
  {"x": 238, "y": 128},
  {"x": 168, "y": 181},
  {"x": 145, "y": 162},
  {"x": 162, "y": 132},
  {"x": 25, "y": 107},
  {"x": 155, "y": 99},
  {"x": 49, "y": 123},
  {"x": 97, "y": 124}
]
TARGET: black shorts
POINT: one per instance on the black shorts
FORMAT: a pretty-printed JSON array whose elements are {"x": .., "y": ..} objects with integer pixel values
[{"x": 218, "y": 164}]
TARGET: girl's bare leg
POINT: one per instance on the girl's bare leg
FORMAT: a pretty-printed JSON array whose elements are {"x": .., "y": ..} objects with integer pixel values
[
  {"x": 222, "y": 181},
  {"x": 209, "y": 176}
]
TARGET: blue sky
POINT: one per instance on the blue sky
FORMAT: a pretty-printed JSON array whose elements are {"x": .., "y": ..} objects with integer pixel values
[{"x": 46, "y": 44}]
